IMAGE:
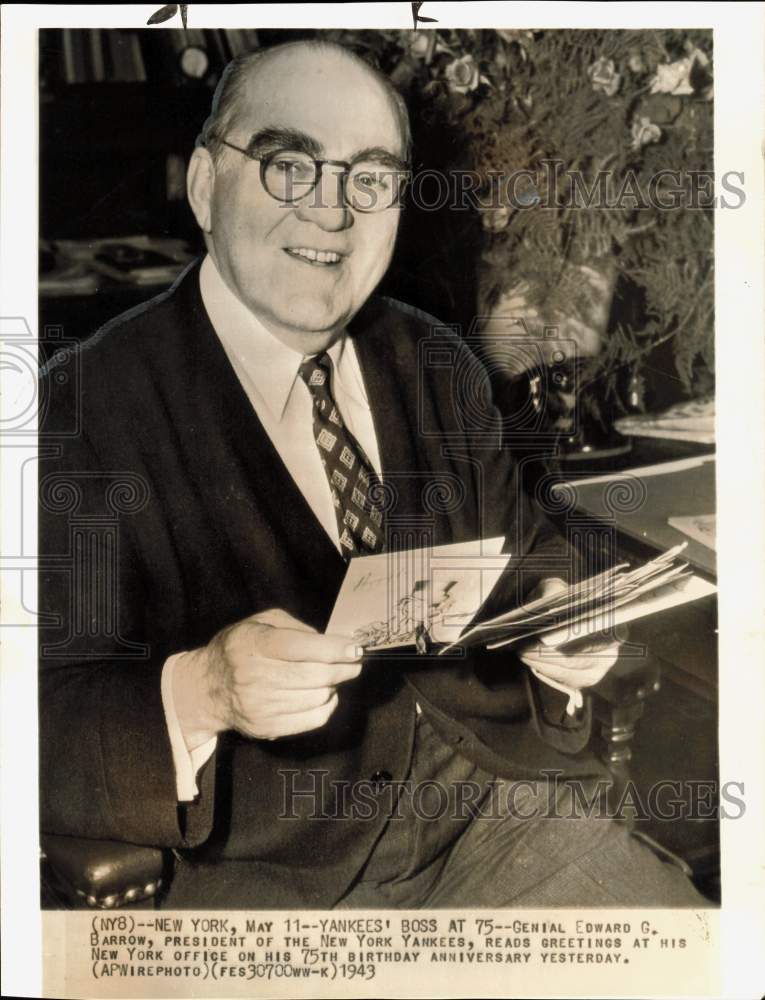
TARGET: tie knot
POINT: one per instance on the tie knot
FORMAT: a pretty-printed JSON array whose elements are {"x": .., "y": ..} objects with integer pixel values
[{"x": 316, "y": 371}]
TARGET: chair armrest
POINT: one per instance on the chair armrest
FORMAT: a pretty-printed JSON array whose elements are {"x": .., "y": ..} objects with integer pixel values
[{"x": 100, "y": 873}]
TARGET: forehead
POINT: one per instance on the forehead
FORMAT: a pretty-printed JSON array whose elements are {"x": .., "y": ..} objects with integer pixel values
[{"x": 326, "y": 95}]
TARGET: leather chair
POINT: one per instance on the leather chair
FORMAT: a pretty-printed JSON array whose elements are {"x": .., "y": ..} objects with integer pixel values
[{"x": 76, "y": 873}]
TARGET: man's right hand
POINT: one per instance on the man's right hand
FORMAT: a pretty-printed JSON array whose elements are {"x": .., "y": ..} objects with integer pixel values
[{"x": 268, "y": 676}]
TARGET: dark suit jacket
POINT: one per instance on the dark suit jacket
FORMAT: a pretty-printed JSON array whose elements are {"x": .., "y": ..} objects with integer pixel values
[{"x": 166, "y": 514}]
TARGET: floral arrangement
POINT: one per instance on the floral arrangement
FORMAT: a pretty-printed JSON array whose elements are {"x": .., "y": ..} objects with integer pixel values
[{"x": 613, "y": 109}]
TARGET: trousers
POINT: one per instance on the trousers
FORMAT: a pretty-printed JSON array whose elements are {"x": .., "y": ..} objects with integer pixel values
[{"x": 461, "y": 837}]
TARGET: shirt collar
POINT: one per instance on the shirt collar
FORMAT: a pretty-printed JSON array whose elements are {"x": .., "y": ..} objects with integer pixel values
[
  {"x": 347, "y": 370},
  {"x": 271, "y": 366}
]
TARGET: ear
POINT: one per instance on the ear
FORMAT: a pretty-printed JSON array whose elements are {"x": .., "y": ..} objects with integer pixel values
[{"x": 200, "y": 180}]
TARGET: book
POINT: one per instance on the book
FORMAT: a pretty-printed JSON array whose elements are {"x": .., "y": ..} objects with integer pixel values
[
  {"x": 119, "y": 62},
  {"x": 61, "y": 276},
  {"x": 135, "y": 59},
  {"x": 70, "y": 71},
  {"x": 137, "y": 260},
  {"x": 692, "y": 420},
  {"x": 97, "y": 55},
  {"x": 236, "y": 42},
  {"x": 700, "y": 527},
  {"x": 68, "y": 278}
]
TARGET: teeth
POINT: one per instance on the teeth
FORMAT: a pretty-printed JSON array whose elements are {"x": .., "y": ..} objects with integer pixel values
[{"x": 321, "y": 256}]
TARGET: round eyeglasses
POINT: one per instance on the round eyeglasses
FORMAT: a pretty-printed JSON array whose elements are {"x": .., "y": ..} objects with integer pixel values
[{"x": 290, "y": 175}]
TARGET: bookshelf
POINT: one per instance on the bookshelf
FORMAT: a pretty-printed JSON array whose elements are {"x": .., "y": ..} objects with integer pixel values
[
  {"x": 119, "y": 111},
  {"x": 71, "y": 57}
]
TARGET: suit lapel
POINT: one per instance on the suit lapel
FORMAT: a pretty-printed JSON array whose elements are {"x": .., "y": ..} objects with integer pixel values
[
  {"x": 252, "y": 497},
  {"x": 390, "y": 373}
]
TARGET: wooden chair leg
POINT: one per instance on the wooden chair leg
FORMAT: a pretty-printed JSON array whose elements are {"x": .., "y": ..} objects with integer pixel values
[{"x": 617, "y": 730}]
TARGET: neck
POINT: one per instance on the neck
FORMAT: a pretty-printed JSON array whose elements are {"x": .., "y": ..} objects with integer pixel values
[{"x": 300, "y": 341}]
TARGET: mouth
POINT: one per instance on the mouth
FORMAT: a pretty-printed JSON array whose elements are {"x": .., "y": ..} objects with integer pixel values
[{"x": 316, "y": 258}]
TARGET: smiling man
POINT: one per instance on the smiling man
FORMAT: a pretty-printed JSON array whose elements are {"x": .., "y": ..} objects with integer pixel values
[
  {"x": 303, "y": 267},
  {"x": 274, "y": 419}
]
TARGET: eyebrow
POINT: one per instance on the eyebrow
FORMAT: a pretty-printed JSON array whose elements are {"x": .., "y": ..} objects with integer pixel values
[
  {"x": 288, "y": 138},
  {"x": 379, "y": 154},
  {"x": 285, "y": 138}
]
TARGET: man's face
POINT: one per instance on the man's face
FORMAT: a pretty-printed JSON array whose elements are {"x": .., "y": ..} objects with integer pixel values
[{"x": 263, "y": 247}]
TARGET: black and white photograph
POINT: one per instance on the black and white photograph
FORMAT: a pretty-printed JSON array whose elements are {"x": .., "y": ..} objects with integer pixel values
[{"x": 383, "y": 589}]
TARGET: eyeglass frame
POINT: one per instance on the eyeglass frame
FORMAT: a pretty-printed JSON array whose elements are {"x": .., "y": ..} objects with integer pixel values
[{"x": 265, "y": 160}]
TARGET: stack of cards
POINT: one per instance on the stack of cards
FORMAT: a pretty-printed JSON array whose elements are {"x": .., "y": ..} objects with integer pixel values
[
  {"x": 593, "y": 605},
  {"x": 429, "y": 597}
]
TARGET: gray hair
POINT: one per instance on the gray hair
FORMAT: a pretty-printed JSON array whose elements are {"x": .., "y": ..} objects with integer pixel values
[{"x": 229, "y": 96}]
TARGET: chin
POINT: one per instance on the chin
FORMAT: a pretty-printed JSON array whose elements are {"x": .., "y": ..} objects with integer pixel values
[{"x": 315, "y": 316}]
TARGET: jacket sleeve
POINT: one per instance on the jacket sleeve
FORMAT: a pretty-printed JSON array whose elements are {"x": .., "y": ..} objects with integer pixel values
[
  {"x": 539, "y": 550},
  {"x": 106, "y": 767}
]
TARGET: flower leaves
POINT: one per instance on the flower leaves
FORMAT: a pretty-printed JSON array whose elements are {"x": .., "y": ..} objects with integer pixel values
[
  {"x": 163, "y": 14},
  {"x": 416, "y": 15},
  {"x": 168, "y": 11}
]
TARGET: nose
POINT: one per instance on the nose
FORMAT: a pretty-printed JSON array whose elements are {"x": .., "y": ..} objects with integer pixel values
[{"x": 325, "y": 205}]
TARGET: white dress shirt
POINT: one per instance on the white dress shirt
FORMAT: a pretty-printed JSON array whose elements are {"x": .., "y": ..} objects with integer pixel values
[{"x": 268, "y": 372}]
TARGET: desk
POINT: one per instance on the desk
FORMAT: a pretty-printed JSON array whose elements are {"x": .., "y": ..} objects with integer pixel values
[
  {"x": 658, "y": 716},
  {"x": 640, "y": 501},
  {"x": 684, "y": 638}
]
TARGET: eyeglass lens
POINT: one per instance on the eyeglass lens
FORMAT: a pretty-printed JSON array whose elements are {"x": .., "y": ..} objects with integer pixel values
[{"x": 369, "y": 187}]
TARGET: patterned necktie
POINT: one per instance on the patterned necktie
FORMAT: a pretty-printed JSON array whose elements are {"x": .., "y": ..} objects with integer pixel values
[{"x": 350, "y": 473}]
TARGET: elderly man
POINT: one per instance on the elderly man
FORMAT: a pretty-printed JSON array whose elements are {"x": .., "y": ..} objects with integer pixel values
[{"x": 264, "y": 406}]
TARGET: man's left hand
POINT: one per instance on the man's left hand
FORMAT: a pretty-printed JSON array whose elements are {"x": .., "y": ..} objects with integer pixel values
[{"x": 578, "y": 665}]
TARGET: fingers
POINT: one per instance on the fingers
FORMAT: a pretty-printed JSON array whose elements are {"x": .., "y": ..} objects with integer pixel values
[
  {"x": 301, "y": 645},
  {"x": 571, "y": 678},
  {"x": 291, "y": 723},
  {"x": 573, "y": 647},
  {"x": 280, "y": 676},
  {"x": 254, "y": 701},
  {"x": 586, "y": 646},
  {"x": 304, "y": 722},
  {"x": 548, "y": 660},
  {"x": 297, "y": 676},
  {"x": 278, "y": 618},
  {"x": 575, "y": 670}
]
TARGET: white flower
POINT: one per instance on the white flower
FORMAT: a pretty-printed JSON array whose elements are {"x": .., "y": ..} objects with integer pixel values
[
  {"x": 635, "y": 63},
  {"x": 463, "y": 75},
  {"x": 604, "y": 77},
  {"x": 421, "y": 44},
  {"x": 644, "y": 132},
  {"x": 675, "y": 78},
  {"x": 515, "y": 35}
]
